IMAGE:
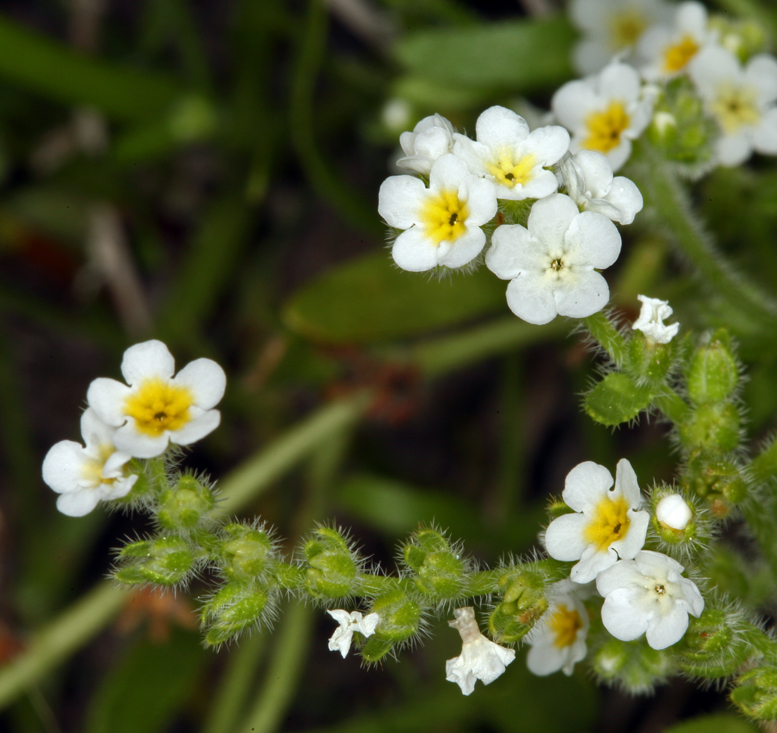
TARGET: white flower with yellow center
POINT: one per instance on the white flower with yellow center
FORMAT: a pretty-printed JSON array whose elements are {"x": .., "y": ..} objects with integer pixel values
[
  {"x": 611, "y": 27},
  {"x": 607, "y": 523},
  {"x": 551, "y": 264},
  {"x": 86, "y": 475},
  {"x": 157, "y": 408},
  {"x": 667, "y": 50},
  {"x": 648, "y": 595},
  {"x": 350, "y": 623},
  {"x": 442, "y": 222},
  {"x": 605, "y": 112},
  {"x": 651, "y": 320},
  {"x": 743, "y": 101},
  {"x": 588, "y": 180},
  {"x": 480, "y": 658},
  {"x": 510, "y": 156},
  {"x": 430, "y": 139},
  {"x": 558, "y": 638}
]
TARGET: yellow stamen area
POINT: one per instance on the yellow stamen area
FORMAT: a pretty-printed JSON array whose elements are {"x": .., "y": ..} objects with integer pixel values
[
  {"x": 610, "y": 522},
  {"x": 158, "y": 406},
  {"x": 510, "y": 172},
  {"x": 679, "y": 54},
  {"x": 735, "y": 107},
  {"x": 564, "y": 624},
  {"x": 444, "y": 217},
  {"x": 605, "y": 128},
  {"x": 626, "y": 28},
  {"x": 92, "y": 470}
]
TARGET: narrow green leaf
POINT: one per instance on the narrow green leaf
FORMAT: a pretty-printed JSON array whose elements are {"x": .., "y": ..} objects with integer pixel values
[{"x": 616, "y": 399}]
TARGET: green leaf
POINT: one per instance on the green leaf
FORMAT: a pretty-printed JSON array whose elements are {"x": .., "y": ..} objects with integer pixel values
[
  {"x": 616, "y": 399},
  {"x": 717, "y": 723},
  {"x": 370, "y": 299},
  {"x": 516, "y": 56}
]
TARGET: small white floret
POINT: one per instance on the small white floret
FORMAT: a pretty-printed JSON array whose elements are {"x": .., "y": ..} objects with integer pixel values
[
  {"x": 350, "y": 623},
  {"x": 480, "y": 658},
  {"x": 607, "y": 523},
  {"x": 86, "y": 475},
  {"x": 430, "y": 139},
  {"x": 158, "y": 408},
  {"x": 651, "y": 320},
  {"x": 673, "y": 511},
  {"x": 648, "y": 595}
]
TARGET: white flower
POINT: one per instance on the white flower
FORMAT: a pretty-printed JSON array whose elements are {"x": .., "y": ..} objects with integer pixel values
[
  {"x": 158, "y": 408},
  {"x": 551, "y": 264},
  {"x": 351, "y": 622},
  {"x": 515, "y": 159},
  {"x": 442, "y": 222},
  {"x": 605, "y": 112},
  {"x": 648, "y": 594},
  {"x": 667, "y": 50},
  {"x": 651, "y": 320},
  {"x": 742, "y": 101},
  {"x": 607, "y": 523},
  {"x": 673, "y": 511},
  {"x": 589, "y": 182},
  {"x": 431, "y": 138},
  {"x": 86, "y": 475},
  {"x": 558, "y": 638},
  {"x": 611, "y": 27},
  {"x": 480, "y": 658}
]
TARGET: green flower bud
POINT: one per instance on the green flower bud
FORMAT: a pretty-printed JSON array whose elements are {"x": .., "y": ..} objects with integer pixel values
[
  {"x": 333, "y": 567},
  {"x": 183, "y": 506},
  {"x": 649, "y": 361},
  {"x": 162, "y": 561},
  {"x": 400, "y": 617},
  {"x": 233, "y": 609},
  {"x": 711, "y": 427},
  {"x": 246, "y": 554},
  {"x": 713, "y": 374},
  {"x": 375, "y": 648},
  {"x": 522, "y": 605},
  {"x": 755, "y": 693},
  {"x": 611, "y": 659},
  {"x": 711, "y": 646},
  {"x": 632, "y": 664},
  {"x": 719, "y": 482},
  {"x": 744, "y": 38},
  {"x": 439, "y": 570}
]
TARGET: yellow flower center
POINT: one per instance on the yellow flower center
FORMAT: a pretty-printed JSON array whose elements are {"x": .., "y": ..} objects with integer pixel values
[
  {"x": 735, "y": 107},
  {"x": 444, "y": 217},
  {"x": 92, "y": 470},
  {"x": 510, "y": 172},
  {"x": 626, "y": 28},
  {"x": 564, "y": 624},
  {"x": 605, "y": 128},
  {"x": 158, "y": 406},
  {"x": 678, "y": 55},
  {"x": 610, "y": 522}
]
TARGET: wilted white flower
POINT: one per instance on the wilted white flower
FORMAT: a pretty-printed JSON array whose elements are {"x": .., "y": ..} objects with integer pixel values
[
  {"x": 551, "y": 265},
  {"x": 351, "y": 622},
  {"x": 651, "y": 320},
  {"x": 442, "y": 223},
  {"x": 157, "y": 408},
  {"x": 607, "y": 523},
  {"x": 480, "y": 658},
  {"x": 86, "y": 475},
  {"x": 510, "y": 156},
  {"x": 648, "y": 594},
  {"x": 430, "y": 139},
  {"x": 673, "y": 511}
]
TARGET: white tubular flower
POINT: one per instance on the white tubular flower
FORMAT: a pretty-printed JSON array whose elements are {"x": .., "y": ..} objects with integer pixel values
[
  {"x": 351, "y": 622},
  {"x": 605, "y": 112},
  {"x": 589, "y": 182},
  {"x": 87, "y": 475},
  {"x": 157, "y": 408},
  {"x": 431, "y": 138},
  {"x": 673, "y": 512},
  {"x": 480, "y": 659},
  {"x": 558, "y": 638},
  {"x": 648, "y": 594},
  {"x": 607, "y": 524},
  {"x": 667, "y": 50},
  {"x": 510, "y": 156},
  {"x": 551, "y": 264},
  {"x": 742, "y": 101},
  {"x": 611, "y": 27},
  {"x": 651, "y": 320},
  {"x": 442, "y": 222}
]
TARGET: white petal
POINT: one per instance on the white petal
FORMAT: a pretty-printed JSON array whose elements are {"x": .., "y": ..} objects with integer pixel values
[
  {"x": 129, "y": 440},
  {"x": 197, "y": 428},
  {"x": 530, "y": 298},
  {"x": 668, "y": 628},
  {"x": 628, "y": 546},
  {"x": 78, "y": 503},
  {"x": 765, "y": 135},
  {"x": 564, "y": 537},
  {"x": 620, "y": 617},
  {"x": 582, "y": 295},
  {"x": 112, "y": 468},
  {"x": 499, "y": 126},
  {"x": 585, "y": 486},
  {"x": 656, "y": 564},
  {"x": 398, "y": 200},
  {"x": 119, "y": 488},
  {"x": 205, "y": 379},
  {"x": 624, "y": 574},
  {"x": 592, "y": 240},
  {"x": 63, "y": 466},
  {"x": 627, "y": 198},
  {"x": 147, "y": 360},
  {"x": 572, "y": 104},
  {"x": 543, "y": 183},
  {"x": 548, "y": 143},
  {"x": 592, "y": 563},
  {"x": 710, "y": 66},
  {"x": 513, "y": 251},
  {"x": 106, "y": 397},
  {"x": 620, "y": 81},
  {"x": 761, "y": 72},
  {"x": 733, "y": 150},
  {"x": 545, "y": 657},
  {"x": 620, "y": 153},
  {"x": 468, "y": 246},
  {"x": 550, "y": 218},
  {"x": 627, "y": 484},
  {"x": 480, "y": 196},
  {"x": 447, "y": 173},
  {"x": 95, "y": 431},
  {"x": 368, "y": 624},
  {"x": 596, "y": 171},
  {"x": 414, "y": 251}
]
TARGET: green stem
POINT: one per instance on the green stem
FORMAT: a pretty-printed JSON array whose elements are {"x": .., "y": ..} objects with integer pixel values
[{"x": 672, "y": 405}]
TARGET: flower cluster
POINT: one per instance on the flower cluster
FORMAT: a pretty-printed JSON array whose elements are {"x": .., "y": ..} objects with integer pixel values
[{"x": 134, "y": 420}]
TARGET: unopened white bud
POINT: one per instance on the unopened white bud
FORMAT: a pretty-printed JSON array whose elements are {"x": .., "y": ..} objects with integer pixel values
[{"x": 673, "y": 511}]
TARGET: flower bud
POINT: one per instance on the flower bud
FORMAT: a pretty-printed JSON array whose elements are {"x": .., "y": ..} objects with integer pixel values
[
  {"x": 632, "y": 664},
  {"x": 183, "y": 506},
  {"x": 438, "y": 568},
  {"x": 332, "y": 566},
  {"x": 713, "y": 374},
  {"x": 673, "y": 512},
  {"x": 649, "y": 360},
  {"x": 711, "y": 647},
  {"x": 712, "y": 427},
  {"x": 755, "y": 693},
  {"x": 235, "y": 608},
  {"x": 523, "y": 604},
  {"x": 400, "y": 618},
  {"x": 163, "y": 561},
  {"x": 719, "y": 482},
  {"x": 246, "y": 554}
]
